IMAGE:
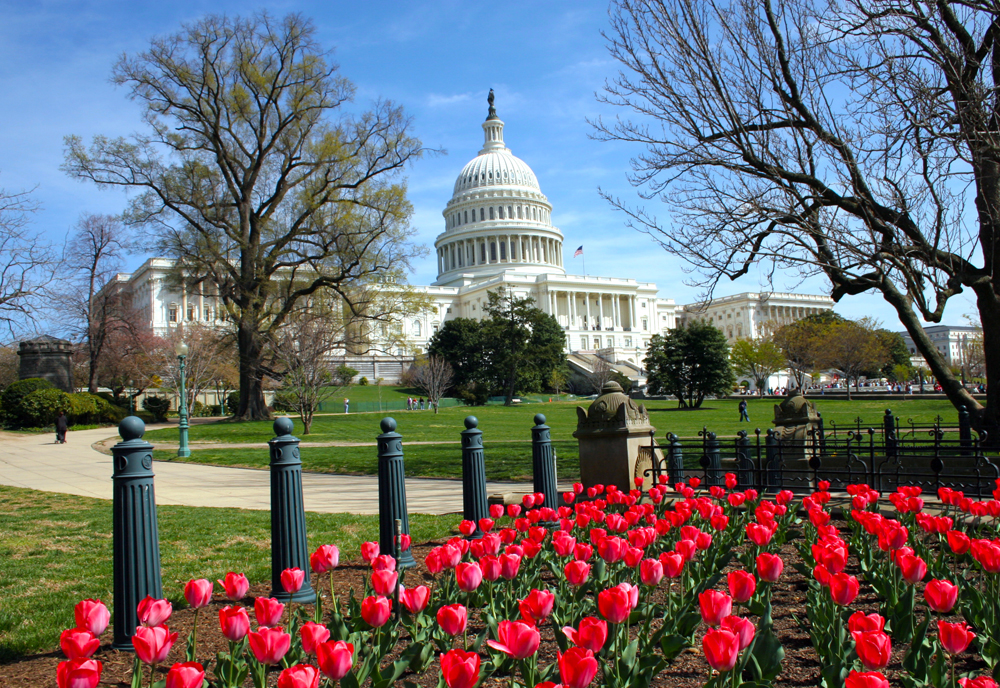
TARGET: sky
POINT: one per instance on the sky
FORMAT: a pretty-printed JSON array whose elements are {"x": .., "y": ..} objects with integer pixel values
[{"x": 546, "y": 62}]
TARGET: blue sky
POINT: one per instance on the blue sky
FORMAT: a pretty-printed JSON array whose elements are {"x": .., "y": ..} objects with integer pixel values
[{"x": 545, "y": 61}]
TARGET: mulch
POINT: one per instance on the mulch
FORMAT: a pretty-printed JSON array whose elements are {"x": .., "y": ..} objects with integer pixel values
[{"x": 801, "y": 665}]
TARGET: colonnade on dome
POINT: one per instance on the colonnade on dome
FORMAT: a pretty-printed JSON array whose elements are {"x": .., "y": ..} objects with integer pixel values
[{"x": 497, "y": 249}]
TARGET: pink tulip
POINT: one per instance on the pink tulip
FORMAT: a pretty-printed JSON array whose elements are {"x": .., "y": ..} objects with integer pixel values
[
  {"x": 299, "y": 676},
  {"x": 335, "y": 658},
  {"x": 591, "y": 635},
  {"x": 384, "y": 582},
  {"x": 236, "y": 586},
  {"x": 269, "y": 645},
  {"x": 721, "y": 649},
  {"x": 235, "y": 623},
  {"x": 152, "y": 644},
  {"x": 92, "y": 615},
  {"x": 715, "y": 606},
  {"x": 325, "y": 558},
  {"x": 79, "y": 673},
  {"x": 941, "y": 595},
  {"x": 577, "y": 667},
  {"x": 537, "y": 606},
  {"x": 78, "y": 642},
  {"x": 198, "y": 593},
  {"x": 292, "y": 580},
  {"x": 516, "y": 639},
  {"x": 452, "y": 619},
  {"x": 268, "y": 611},
  {"x": 154, "y": 612},
  {"x": 376, "y": 611},
  {"x": 313, "y": 634},
  {"x": 742, "y": 628},
  {"x": 186, "y": 675},
  {"x": 468, "y": 576},
  {"x": 415, "y": 599}
]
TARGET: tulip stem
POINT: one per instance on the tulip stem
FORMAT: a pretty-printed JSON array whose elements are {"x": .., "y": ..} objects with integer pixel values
[
  {"x": 152, "y": 672},
  {"x": 194, "y": 637}
]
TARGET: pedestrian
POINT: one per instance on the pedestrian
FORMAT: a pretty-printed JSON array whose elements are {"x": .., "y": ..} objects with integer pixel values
[
  {"x": 347, "y": 405},
  {"x": 743, "y": 411},
  {"x": 421, "y": 403},
  {"x": 409, "y": 403},
  {"x": 62, "y": 425}
]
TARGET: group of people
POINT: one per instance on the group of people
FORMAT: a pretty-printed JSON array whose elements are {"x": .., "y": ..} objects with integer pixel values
[{"x": 416, "y": 404}]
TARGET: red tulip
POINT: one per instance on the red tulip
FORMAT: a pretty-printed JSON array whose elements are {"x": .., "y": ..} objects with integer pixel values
[
  {"x": 941, "y": 595},
  {"x": 843, "y": 588},
  {"x": 469, "y": 576},
  {"x": 496, "y": 510},
  {"x": 614, "y": 604},
  {"x": 335, "y": 658},
  {"x": 769, "y": 567},
  {"x": 325, "y": 558},
  {"x": 859, "y": 621},
  {"x": 715, "y": 606},
  {"x": 467, "y": 528},
  {"x": 154, "y": 612},
  {"x": 516, "y": 639},
  {"x": 369, "y": 550},
  {"x": 759, "y": 534},
  {"x": 292, "y": 579},
  {"x": 742, "y": 628},
  {"x": 313, "y": 635},
  {"x": 299, "y": 676},
  {"x": 873, "y": 648},
  {"x": 673, "y": 564},
  {"x": 958, "y": 541},
  {"x": 954, "y": 637},
  {"x": 686, "y": 548},
  {"x": 383, "y": 562},
  {"x": 978, "y": 682},
  {"x": 92, "y": 615},
  {"x": 415, "y": 599},
  {"x": 376, "y": 611},
  {"x": 384, "y": 582},
  {"x": 583, "y": 552},
  {"x": 235, "y": 623},
  {"x": 577, "y": 667},
  {"x": 703, "y": 541},
  {"x": 236, "y": 586},
  {"x": 269, "y": 645},
  {"x": 453, "y": 618},
  {"x": 868, "y": 679},
  {"x": 611, "y": 549},
  {"x": 79, "y": 673},
  {"x": 460, "y": 669},
  {"x": 912, "y": 567},
  {"x": 577, "y": 572},
  {"x": 510, "y": 564},
  {"x": 651, "y": 572},
  {"x": 186, "y": 675},
  {"x": 591, "y": 635},
  {"x": 268, "y": 611},
  {"x": 537, "y": 606},
  {"x": 78, "y": 642},
  {"x": 721, "y": 649},
  {"x": 742, "y": 585},
  {"x": 152, "y": 644},
  {"x": 433, "y": 561},
  {"x": 198, "y": 593},
  {"x": 490, "y": 566}
]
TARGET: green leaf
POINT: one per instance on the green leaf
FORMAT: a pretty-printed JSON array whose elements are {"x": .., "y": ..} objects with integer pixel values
[{"x": 628, "y": 656}]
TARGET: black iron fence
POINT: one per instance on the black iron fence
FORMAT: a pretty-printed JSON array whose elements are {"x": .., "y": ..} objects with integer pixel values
[{"x": 930, "y": 455}]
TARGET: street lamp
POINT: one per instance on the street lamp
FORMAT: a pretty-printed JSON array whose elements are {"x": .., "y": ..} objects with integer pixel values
[{"x": 181, "y": 349}]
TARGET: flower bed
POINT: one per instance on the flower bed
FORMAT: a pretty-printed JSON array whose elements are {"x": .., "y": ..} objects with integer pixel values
[{"x": 615, "y": 589}]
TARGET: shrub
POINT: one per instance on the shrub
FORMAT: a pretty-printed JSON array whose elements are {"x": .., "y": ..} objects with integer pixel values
[
  {"x": 213, "y": 410},
  {"x": 158, "y": 406},
  {"x": 233, "y": 403},
  {"x": 40, "y": 408},
  {"x": 13, "y": 396},
  {"x": 283, "y": 402},
  {"x": 89, "y": 408},
  {"x": 363, "y": 381}
]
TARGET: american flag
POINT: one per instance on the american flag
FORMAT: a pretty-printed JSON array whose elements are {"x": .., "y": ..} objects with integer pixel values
[{"x": 579, "y": 252}]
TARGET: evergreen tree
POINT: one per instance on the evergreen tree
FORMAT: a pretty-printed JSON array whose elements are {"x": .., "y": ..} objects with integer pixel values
[{"x": 691, "y": 362}]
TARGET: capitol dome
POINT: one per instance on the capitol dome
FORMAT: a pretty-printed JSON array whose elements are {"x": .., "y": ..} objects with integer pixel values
[{"x": 498, "y": 220}]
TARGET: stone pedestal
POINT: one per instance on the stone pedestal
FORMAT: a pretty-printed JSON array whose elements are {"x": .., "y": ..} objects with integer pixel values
[
  {"x": 610, "y": 433},
  {"x": 48, "y": 358},
  {"x": 796, "y": 428}
]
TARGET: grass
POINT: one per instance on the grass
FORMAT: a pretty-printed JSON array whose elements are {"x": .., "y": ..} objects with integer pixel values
[
  {"x": 507, "y": 432},
  {"x": 57, "y": 549}
]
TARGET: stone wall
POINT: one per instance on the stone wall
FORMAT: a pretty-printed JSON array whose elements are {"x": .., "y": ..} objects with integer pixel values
[{"x": 48, "y": 358}]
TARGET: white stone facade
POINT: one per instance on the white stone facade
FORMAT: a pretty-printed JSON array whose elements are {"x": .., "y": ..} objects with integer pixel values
[
  {"x": 953, "y": 341},
  {"x": 752, "y": 315}
]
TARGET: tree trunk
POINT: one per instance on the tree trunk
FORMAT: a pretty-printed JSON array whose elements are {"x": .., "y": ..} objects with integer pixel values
[
  {"x": 252, "y": 405},
  {"x": 988, "y": 418}
]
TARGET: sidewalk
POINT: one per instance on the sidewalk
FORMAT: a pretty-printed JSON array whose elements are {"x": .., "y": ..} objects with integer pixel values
[{"x": 38, "y": 463}]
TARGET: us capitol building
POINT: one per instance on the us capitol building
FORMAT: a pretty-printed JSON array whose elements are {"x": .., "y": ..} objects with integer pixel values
[{"x": 499, "y": 233}]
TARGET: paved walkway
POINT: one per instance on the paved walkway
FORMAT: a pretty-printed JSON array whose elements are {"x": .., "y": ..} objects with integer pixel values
[{"x": 38, "y": 463}]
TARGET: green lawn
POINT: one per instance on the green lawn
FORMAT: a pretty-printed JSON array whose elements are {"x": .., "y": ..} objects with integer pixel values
[
  {"x": 57, "y": 549},
  {"x": 507, "y": 432}
]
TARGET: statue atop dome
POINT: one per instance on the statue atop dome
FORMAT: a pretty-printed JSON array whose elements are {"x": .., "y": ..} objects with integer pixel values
[{"x": 493, "y": 110}]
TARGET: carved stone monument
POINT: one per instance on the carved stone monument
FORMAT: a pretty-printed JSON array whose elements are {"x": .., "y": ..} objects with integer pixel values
[
  {"x": 796, "y": 426},
  {"x": 48, "y": 358},
  {"x": 610, "y": 433}
]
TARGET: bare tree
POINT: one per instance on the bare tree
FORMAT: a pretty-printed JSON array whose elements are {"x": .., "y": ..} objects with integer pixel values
[
  {"x": 207, "y": 348},
  {"x": 433, "y": 375},
  {"x": 800, "y": 344},
  {"x": 310, "y": 374},
  {"x": 129, "y": 363},
  {"x": 602, "y": 372},
  {"x": 845, "y": 138},
  {"x": 28, "y": 264},
  {"x": 254, "y": 178},
  {"x": 96, "y": 250}
]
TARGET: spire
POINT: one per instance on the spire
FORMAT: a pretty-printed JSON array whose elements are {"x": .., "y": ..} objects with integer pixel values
[{"x": 492, "y": 130}]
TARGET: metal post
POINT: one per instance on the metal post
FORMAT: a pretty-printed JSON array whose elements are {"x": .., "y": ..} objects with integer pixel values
[
  {"x": 543, "y": 466},
  {"x": 889, "y": 435},
  {"x": 965, "y": 430},
  {"x": 675, "y": 460},
  {"x": 744, "y": 476},
  {"x": 474, "y": 504},
  {"x": 289, "y": 546},
  {"x": 392, "y": 492},
  {"x": 182, "y": 425},
  {"x": 136, "y": 537},
  {"x": 772, "y": 460},
  {"x": 713, "y": 456}
]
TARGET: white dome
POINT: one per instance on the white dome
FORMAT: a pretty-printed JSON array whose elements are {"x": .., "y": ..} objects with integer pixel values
[{"x": 496, "y": 168}]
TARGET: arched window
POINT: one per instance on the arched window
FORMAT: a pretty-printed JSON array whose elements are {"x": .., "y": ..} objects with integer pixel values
[
  {"x": 467, "y": 215},
  {"x": 416, "y": 328},
  {"x": 482, "y": 252},
  {"x": 491, "y": 213},
  {"x": 513, "y": 250},
  {"x": 503, "y": 250},
  {"x": 482, "y": 215},
  {"x": 519, "y": 213},
  {"x": 500, "y": 211},
  {"x": 510, "y": 211},
  {"x": 493, "y": 251}
]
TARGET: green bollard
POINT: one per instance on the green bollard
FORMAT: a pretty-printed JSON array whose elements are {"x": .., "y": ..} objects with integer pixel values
[
  {"x": 136, "y": 537},
  {"x": 392, "y": 492},
  {"x": 474, "y": 503},
  {"x": 542, "y": 463},
  {"x": 289, "y": 546}
]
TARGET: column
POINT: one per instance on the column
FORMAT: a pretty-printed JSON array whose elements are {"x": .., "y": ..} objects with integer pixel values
[
  {"x": 571, "y": 297},
  {"x": 601, "y": 309},
  {"x": 631, "y": 302},
  {"x": 616, "y": 308}
]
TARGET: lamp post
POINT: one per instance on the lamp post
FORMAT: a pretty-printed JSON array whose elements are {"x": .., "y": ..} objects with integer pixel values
[{"x": 181, "y": 349}]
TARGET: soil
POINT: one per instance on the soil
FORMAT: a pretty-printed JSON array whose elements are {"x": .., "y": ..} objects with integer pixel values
[{"x": 801, "y": 665}]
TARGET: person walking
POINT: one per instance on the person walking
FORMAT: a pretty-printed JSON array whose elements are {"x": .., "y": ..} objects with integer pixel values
[
  {"x": 62, "y": 425},
  {"x": 347, "y": 405},
  {"x": 421, "y": 403},
  {"x": 743, "y": 411}
]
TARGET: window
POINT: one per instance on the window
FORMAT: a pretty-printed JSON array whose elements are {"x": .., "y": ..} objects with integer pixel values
[
  {"x": 645, "y": 324},
  {"x": 583, "y": 342},
  {"x": 172, "y": 317},
  {"x": 510, "y": 211},
  {"x": 449, "y": 311},
  {"x": 500, "y": 212},
  {"x": 482, "y": 252},
  {"x": 190, "y": 313},
  {"x": 416, "y": 328},
  {"x": 493, "y": 251},
  {"x": 611, "y": 342},
  {"x": 482, "y": 214},
  {"x": 207, "y": 314},
  {"x": 519, "y": 213},
  {"x": 628, "y": 342},
  {"x": 491, "y": 212},
  {"x": 467, "y": 215},
  {"x": 513, "y": 251},
  {"x": 503, "y": 250}
]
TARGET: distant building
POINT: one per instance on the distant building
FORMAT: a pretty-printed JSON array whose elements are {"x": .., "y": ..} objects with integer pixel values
[
  {"x": 953, "y": 341},
  {"x": 752, "y": 315}
]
